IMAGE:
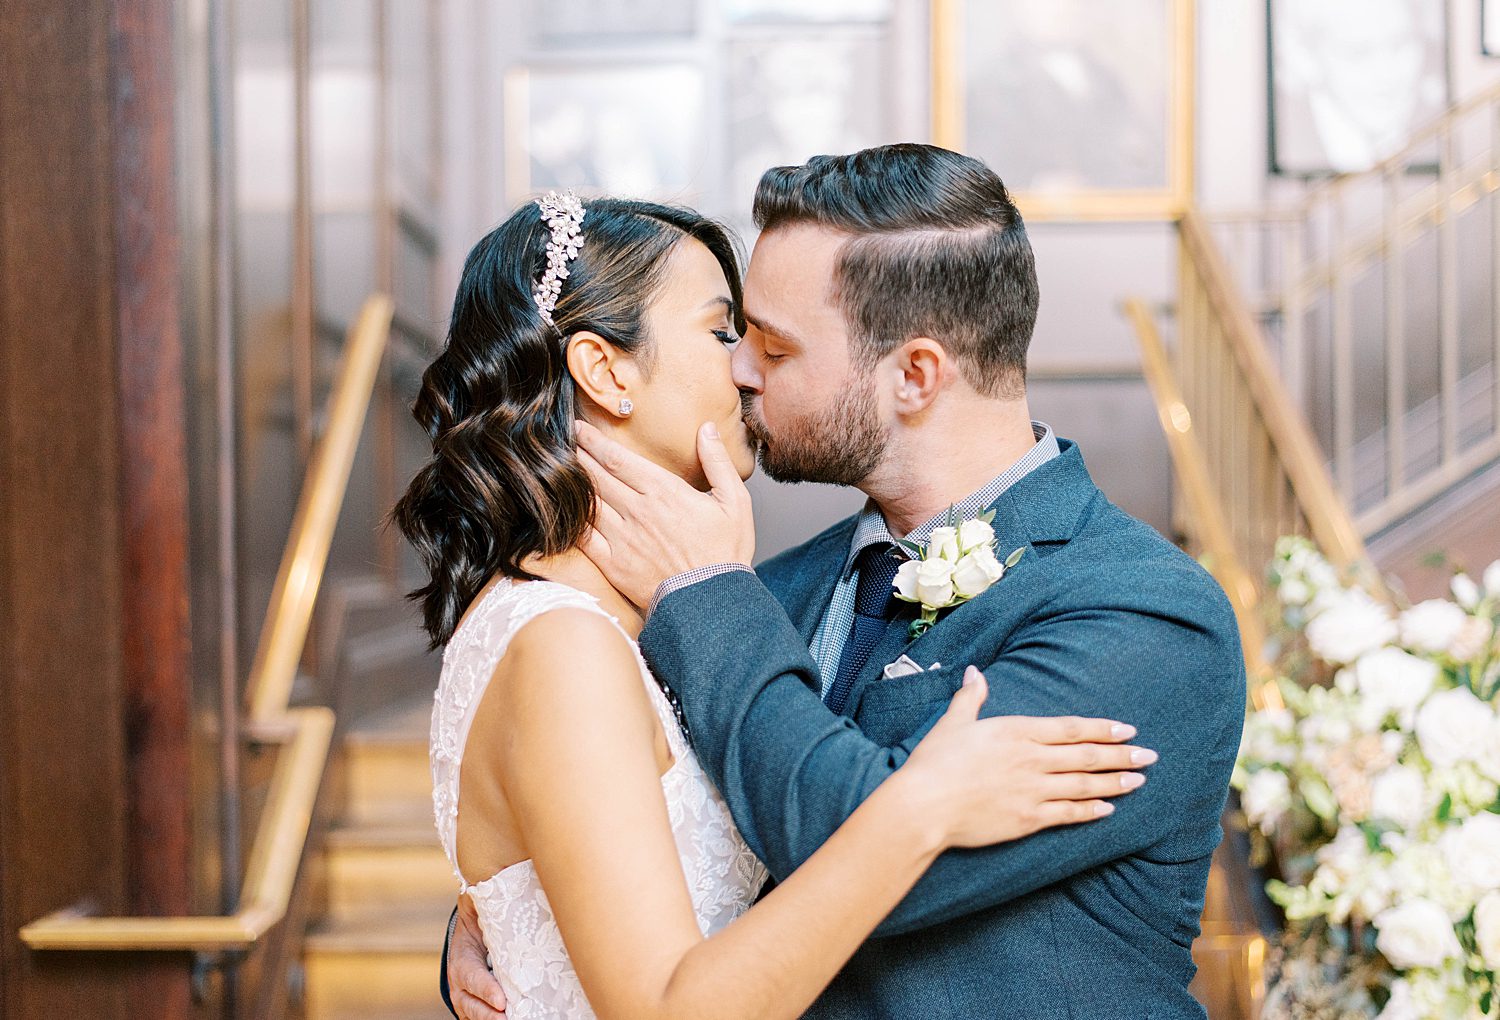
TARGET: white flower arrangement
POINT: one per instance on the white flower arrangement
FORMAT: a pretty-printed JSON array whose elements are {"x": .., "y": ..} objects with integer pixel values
[
  {"x": 958, "y": 563},
  {"x": 1378, "y": 789}
]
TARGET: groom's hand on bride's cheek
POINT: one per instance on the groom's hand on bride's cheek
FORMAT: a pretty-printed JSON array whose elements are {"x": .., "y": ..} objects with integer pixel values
[
  {"x": 652, "y": 525},
  {"x": 475, "y": 992}
]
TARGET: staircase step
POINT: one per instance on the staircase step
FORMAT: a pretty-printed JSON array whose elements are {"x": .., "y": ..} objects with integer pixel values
[
  {"x": 386, "y": 777},
  {"x": 376, "y": 961},
  {"x": 388, "y": 865}
]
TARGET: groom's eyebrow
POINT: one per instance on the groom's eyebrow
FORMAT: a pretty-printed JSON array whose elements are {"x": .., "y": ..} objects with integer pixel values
[{"x": 773, "y": 329}]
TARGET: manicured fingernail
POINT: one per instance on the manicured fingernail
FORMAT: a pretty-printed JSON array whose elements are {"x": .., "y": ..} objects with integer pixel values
[
  {"x": 1103, "y": 808},
  {"x": 972, "y": 675},
  {"x": 1131, "y": 780},
  {"x": 577, "y": 426},
  {"x": 1142, "y": 756},
  {"x": 1121, "y": 732}
]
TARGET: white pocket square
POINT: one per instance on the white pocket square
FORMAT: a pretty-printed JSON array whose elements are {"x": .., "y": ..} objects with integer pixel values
[{"x": 904, "y": 666}]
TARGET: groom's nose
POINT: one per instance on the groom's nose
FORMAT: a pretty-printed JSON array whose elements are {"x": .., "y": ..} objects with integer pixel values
[{"x": 744, "y": 369}]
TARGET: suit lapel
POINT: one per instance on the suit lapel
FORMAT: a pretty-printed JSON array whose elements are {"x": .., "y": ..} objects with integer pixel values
[{"x": 1043, "y": 508}]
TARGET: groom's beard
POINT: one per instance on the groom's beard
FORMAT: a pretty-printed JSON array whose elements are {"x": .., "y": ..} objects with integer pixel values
[{"x": 840, "y": 445}]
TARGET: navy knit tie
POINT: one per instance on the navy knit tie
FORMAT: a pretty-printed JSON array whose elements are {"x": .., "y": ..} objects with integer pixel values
[{"x": 874, "y": 605}]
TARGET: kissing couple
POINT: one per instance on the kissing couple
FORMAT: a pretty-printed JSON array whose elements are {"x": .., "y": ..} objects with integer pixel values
[{"x": 900, "y": 770}]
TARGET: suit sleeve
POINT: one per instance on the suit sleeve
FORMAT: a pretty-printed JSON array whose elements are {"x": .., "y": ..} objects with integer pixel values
[
  {"x": 791, "y": 771},
  {"x": 443, "y": 966}
]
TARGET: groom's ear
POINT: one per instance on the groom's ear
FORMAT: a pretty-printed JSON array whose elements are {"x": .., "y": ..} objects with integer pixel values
[
  {"x": 917, "y": 369},
  {"x": 602, "y": 372}
]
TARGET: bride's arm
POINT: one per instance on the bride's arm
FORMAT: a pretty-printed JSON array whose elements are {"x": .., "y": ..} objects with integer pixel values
[{"x": 582, "y": 781}]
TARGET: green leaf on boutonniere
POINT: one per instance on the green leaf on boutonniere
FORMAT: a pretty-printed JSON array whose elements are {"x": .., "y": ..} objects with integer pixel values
[
  {"x": 1014, "y": 557},
  {"x": 988, "y": 517},
  {"x": 911, "y": 547},
  {"x": 953, "y": 516}
]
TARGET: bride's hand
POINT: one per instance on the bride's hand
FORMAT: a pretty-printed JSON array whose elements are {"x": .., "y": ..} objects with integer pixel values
[{"x": 1001, "y": 778}]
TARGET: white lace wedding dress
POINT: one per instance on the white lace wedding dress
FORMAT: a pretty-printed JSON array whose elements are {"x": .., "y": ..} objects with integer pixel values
[{"x": 526, "y": 948}]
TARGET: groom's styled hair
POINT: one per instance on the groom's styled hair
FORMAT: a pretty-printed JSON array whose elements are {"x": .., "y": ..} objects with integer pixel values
[{"x": 936, "y": 248}]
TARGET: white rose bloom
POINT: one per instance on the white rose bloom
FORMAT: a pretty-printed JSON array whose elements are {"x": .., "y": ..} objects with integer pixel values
[
  {"x": 1492, "y": 579},
  {"x": 1402, "y": 1004},
  {"x": 972, "y": 534},
  {"x": 1347, "y": 626},
  {"x": 1487, "y": 929},
  {"x": 1465, "y": 590},
  {"x": 943, "y": 544},
  {"x": 1473, "y": 851},
  {"x": 1268, "y": 737},
  {"x": 1267, "y": 796},
  {"x": 1489, "y": 759},
  {"x": 1399, "y": 794},
  {"x": 1293, "y": 591},
  {"x": 1417, "y": 933},
  {"x": 1454, "y": 726},
  {"x": 1431, "y": 626},
  {"x": 976, "y": 572},
  {"x": 906, "y": 580},
  {"x": 1344, "y": 859},
  {"x": 935, "y": 582},
  {"x": 1390, "y": 680},
  {"x": 1472, "y": 639}
]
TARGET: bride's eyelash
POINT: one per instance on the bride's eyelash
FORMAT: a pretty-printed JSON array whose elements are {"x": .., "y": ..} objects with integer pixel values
[{"x": 725, "y": 337}]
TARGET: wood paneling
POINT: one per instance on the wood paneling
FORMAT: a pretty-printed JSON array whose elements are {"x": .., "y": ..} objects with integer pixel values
[{"x": 93, "y": 605}]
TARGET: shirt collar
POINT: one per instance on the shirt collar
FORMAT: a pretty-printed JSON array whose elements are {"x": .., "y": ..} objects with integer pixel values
[{"x": 871, "y": 528}]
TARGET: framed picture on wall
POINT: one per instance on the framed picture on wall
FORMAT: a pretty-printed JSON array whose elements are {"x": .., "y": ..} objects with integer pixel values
[
  {"x": 1083, "y": 108},
  {"x": 631, "y": 130},
  {"x": 797, "y": 94},
  {"x": 1351, "y": 81},
  {"x": 1489, "y": 28},
  {"x": 586, "y": 22}
]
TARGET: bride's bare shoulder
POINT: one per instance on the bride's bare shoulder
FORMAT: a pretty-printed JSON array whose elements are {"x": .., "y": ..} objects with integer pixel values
[{"x": 571, "y": 661}]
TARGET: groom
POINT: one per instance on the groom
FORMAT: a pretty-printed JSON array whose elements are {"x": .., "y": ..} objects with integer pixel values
[{"x": 890, "y": 303}]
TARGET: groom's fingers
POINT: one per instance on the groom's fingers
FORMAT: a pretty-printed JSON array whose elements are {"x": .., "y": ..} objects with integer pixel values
[
  {"x": 608, "y": 522},
  {"x": 610, "y": 489},
  {"x": 469, "y": 1008},
  {"x": 626, "y": 465},
  {"x": 718, "y": 468}
]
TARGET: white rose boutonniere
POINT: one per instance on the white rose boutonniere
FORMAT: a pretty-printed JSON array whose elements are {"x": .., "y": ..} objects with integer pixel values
[{"x": 958, "y": 563}]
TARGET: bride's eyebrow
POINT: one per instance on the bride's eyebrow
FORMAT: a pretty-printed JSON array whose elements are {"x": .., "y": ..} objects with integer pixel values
[{"x": 717, "y": 302}]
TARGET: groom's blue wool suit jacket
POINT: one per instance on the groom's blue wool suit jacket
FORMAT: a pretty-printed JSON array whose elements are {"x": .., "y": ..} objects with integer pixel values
[{"x": 1101, "y": 617}]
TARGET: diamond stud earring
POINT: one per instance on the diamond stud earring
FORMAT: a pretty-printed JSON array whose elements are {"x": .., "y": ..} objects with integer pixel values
[{"x": 626, "y": 407}]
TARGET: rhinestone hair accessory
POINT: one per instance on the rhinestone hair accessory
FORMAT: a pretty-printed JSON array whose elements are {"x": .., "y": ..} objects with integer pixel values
[{"x": 563, "y": 215}]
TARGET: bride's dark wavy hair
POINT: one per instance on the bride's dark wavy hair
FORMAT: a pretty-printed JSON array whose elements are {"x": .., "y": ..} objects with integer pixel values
[{"x": 504, "y": 481}]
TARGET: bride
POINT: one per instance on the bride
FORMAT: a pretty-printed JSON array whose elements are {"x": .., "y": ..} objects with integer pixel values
[{"x": 607, "y": 874}]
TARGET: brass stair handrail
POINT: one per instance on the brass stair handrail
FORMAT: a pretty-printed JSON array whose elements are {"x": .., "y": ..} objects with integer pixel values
[
  {"x": 1328, "y": 518},
  {"x": 304, "y": 735},
  {"x": 1190, "y": 465}
]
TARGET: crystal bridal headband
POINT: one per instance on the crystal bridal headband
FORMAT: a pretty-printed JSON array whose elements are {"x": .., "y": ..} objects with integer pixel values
[{"x": 563, "y": 214}]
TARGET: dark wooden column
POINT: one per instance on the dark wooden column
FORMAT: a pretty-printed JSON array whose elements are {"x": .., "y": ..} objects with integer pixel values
[{"x": 94, "y": 686}]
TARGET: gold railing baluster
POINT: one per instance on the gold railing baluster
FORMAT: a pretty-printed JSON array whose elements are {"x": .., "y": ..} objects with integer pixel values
[
  {"x": 1447, "y": 295},
  {"x": 1395, "y": 331}
]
